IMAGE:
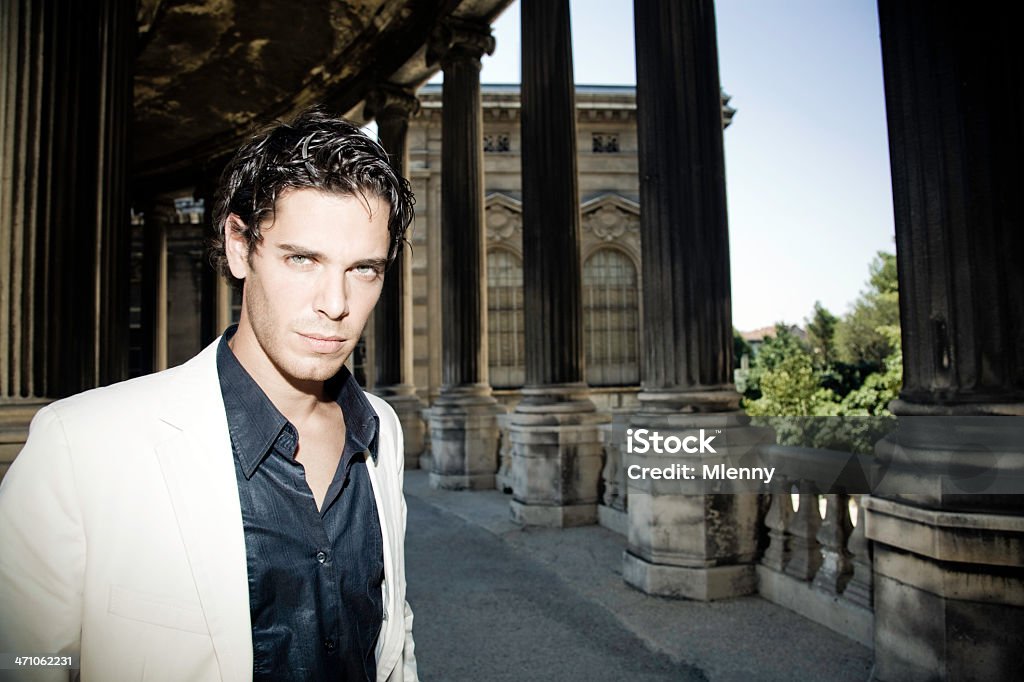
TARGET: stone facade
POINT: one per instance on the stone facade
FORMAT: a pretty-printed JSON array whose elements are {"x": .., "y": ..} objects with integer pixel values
[{"x": 609, "y": 207}]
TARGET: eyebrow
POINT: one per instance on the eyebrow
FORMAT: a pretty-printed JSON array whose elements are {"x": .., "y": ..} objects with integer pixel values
[
  {"x": 377, "y": 263},
  {"x": 300, "y": 251}
]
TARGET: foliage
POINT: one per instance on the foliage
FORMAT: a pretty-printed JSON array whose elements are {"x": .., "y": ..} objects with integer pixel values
[
  {"x": 792, "y": 387},
  {"x": 740, "y": 347},
  {"x": 859, "y": 336},
  {"x": 821, "y": 331},
  {"x": 849, "y": 368}
]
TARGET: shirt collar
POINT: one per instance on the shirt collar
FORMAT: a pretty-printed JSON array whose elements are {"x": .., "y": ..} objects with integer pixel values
[{"x": 255, "y": 424}]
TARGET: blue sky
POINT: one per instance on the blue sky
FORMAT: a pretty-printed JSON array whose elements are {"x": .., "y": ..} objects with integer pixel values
[{"x": 807, "y": 160}]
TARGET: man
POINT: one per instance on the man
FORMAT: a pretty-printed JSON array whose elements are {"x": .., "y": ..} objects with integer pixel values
[{"x": 240, "y": 516}]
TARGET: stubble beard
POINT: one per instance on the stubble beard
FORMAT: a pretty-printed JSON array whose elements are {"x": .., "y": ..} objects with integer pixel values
[{"x": 272, "y": 335}]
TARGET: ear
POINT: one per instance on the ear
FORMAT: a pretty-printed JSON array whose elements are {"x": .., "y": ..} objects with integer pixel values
[{"x": 235, "y": 247}]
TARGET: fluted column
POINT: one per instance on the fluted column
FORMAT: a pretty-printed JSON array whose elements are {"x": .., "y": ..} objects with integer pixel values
[
  {"x": 699, "y": 546},
  {"x": 391, "y": 107},
  {"x": 948, "y": 541},
  {"x": 463, "y": 428},
  {"x": 65, "y": 106},
  {"x": 158, "y": 212},
  {"x": 556, "y": 444}
]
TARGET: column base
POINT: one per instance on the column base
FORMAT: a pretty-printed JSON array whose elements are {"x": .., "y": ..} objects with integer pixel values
[
  {"x": 464, "y": 438},
  {"x": 408, "y": 407},
  {"x": 948, "y": 593},
  {"x": 705, "y": 583},
  {"x": 461, "y": 481},
  {"x": 613, "y": 519},
  {"x": 683, "y": 541},
  {"x": 556, "y": 456},
  {"x": 565, "y": 516}
]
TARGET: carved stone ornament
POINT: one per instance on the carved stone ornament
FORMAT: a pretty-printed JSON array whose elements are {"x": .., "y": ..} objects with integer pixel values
[
  {"x": 390, "y": 100},
  {"x": 457, "y": 40},
  {"x": 503, "y": 223},
  {"x": 611, "y": 222}
]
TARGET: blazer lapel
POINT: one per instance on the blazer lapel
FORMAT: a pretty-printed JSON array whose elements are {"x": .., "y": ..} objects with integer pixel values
[{"x": 198, "y": 467}]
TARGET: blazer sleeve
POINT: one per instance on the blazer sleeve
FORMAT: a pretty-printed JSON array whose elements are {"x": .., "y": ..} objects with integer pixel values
[
  {"x": 408, "y": 654},
  {"x": 42, "y": 560}
]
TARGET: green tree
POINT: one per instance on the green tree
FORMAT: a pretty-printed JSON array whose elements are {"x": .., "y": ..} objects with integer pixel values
[
  {"x": 793, "y": 388},
  {"x": 880, "y": 388},
  {"x": 786, "y": 380},
  {"x": 860, "y": 337},
  {"x": 821, "y": 332},
  {"x": 740, "y": 347}
]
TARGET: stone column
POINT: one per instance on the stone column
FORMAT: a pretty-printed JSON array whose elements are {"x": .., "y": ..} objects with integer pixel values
[
  {"x": 65, "y": 108},
  {"x": 157, "y": 214},
  {"x": 209, "y": 279},
  {"x": 391, "y": 107},
  {"x": 699, "y": 546},
  {"x": 463, "y": 428},
  {"x": 556, "y": 444},
  {"x": 948, "y": 548}
]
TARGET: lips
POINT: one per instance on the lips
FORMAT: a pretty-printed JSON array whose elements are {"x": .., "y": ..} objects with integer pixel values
[{"x": 323, "y": 344}]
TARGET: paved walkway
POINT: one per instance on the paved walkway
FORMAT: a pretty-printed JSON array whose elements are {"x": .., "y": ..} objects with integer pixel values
[{"x": 496, "y": 602}]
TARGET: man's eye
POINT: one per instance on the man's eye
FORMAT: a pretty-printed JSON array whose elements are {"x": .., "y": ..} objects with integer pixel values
[
  {"x": 297, "y": 259},
  {"x": 368, "y": 271}
]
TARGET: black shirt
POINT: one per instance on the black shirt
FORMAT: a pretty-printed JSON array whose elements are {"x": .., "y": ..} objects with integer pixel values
[{"x": 314, "y": 576}]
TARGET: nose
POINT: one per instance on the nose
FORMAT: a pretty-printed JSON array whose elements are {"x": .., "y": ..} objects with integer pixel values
[{"x": 331, "y": 298}]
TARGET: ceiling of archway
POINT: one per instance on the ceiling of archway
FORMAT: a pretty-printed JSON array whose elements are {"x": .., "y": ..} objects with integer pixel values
[{"x": 207, "y": 71}]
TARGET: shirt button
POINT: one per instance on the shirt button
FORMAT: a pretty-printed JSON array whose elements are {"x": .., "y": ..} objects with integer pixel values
[
  {"x": 321, "y": 557},
  {"x": 329, "y": 644}
]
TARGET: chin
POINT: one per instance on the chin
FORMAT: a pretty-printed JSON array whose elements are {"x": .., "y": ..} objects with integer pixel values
[{"x": 322, "y": 371}]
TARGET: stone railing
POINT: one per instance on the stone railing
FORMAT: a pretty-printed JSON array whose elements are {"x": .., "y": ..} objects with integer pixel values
[
  {"x": 818, "y": 561},
  {"x": 613, "y": 504}
]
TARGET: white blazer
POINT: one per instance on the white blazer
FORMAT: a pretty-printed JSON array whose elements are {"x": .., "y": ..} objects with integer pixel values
[{"x": 121, "y": 536}]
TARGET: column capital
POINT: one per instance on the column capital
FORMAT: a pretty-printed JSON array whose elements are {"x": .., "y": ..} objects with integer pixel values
[
  {"x": 457, "y": 40},
  {"x": 388, "y": 100}
]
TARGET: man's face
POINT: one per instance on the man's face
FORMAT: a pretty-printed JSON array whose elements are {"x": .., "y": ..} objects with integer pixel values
[{"x": 311, "y": 284}]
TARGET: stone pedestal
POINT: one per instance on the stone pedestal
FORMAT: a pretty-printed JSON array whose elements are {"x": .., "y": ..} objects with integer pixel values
[
  {"x": 948, "y": 593},
  {"x": 949, "y": 544},
  {"x": 409, "y": 408},
  {"x": 464, "y": 439},
  {"x": 556, "y": 457},
  {"x": 684, "y": 539}
]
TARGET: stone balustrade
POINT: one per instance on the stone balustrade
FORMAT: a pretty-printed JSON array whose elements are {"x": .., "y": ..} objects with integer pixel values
[{"x": 817, "y": 561}]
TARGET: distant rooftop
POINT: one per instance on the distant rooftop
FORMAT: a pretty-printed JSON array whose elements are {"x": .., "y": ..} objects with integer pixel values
[{"x": 432, "y": 90}]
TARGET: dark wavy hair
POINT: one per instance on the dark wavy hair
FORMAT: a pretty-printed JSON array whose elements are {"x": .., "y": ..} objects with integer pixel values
[{"x": 317, "y": 151}]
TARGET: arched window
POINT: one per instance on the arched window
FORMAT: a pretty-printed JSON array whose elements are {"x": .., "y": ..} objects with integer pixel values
[
  {"x": 611, "y": 319},
  {"x": 505, "y": 318}
]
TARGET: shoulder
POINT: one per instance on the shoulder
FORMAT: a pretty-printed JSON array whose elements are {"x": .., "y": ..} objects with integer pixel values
[
  {"x": 126, "y": 402},
  {"x": 389, "y": 423},
  {"x": 391, "y": 437}
]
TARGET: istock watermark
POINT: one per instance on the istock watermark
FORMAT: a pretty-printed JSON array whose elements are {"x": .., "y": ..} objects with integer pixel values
[
  {"x": 644, "y": 441},
  {"x": 638, "y": 442}
]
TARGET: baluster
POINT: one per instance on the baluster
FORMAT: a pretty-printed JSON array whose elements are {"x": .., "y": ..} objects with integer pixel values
[
  {"x": 858, "y": 590},
  {"x": 836, "y": 566},
  {"x": 610, "y": 470},
  {"x": 804, "y": 550},
  {"x": 779, "y": 516},
  {"x": 503, "y": 479}
]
